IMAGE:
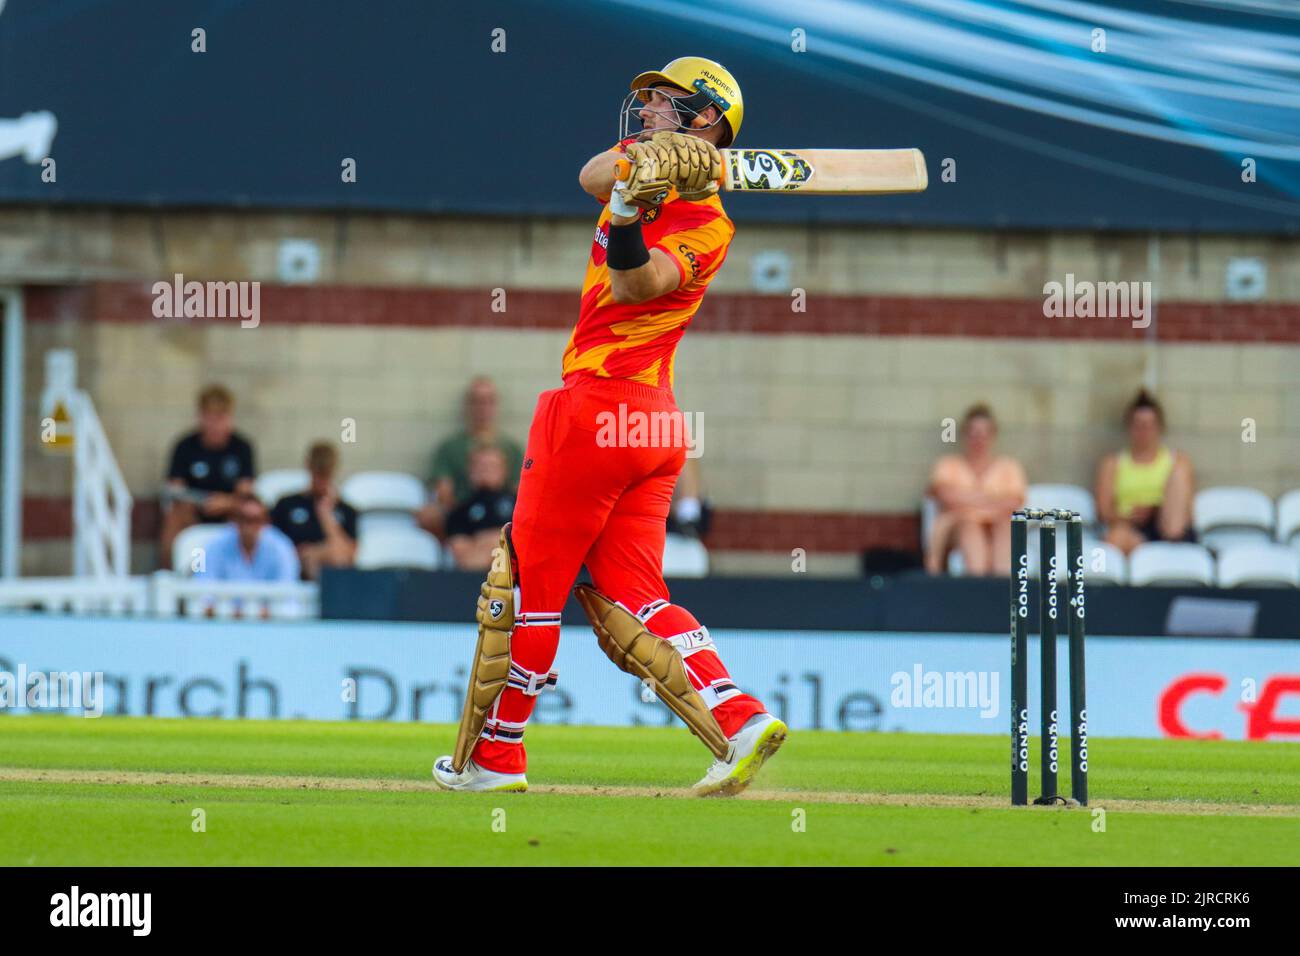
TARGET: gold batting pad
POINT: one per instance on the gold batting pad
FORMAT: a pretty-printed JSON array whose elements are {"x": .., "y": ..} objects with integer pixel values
[
  {"x": 491, "y": 667},
  {"x": 627, "y": 642}
]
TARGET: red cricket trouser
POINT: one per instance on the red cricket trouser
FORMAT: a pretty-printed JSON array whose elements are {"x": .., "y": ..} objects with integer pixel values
[{"x": 586, "y": 500}]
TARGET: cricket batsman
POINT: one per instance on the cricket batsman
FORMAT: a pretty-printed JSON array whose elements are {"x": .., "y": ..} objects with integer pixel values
[{"x": 660, "y": 240}]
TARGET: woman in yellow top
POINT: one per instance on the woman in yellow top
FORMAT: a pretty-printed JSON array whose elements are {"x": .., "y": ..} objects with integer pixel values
[
  {"x": 1144, "y": 493},
  {"x": 977, "y": 490}
]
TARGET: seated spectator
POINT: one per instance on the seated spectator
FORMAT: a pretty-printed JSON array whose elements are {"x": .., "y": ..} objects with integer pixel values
[
  {"x": 209, "y": 467},
  {"x": 977, "y": 490},
  {"x": 474, "y": 526},
  {"x": 690, "y": 513},
  {"x": 1145, "y": 492},
  {"x": 249, "y": 549},
  {"x": 449, "y": 475},
  {"x": 322, "y": 527}
]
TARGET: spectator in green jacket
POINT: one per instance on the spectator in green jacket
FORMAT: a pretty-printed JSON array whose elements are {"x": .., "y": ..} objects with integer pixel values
[{"x": 449, "y": 478}]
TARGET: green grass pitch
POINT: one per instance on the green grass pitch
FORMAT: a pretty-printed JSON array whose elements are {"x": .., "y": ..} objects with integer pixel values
[{"x": 125, "y": 791}]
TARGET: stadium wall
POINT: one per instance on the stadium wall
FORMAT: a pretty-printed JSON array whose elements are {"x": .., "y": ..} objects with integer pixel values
[
  {"x": 54, "y": 245},
  {"x": 820, "y": 425}
]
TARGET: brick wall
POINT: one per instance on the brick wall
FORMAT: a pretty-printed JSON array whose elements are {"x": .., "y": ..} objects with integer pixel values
[
  {"x": 820, "y": 425},
  {"x": 76, "y": 245},
  {"x": 815, "y": 441}
]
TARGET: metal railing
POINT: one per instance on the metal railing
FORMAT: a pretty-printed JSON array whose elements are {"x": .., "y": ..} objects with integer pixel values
[
  {"x": 175, "y": 596},
  {"x": 162, "y": 594},
  {"x": 101, "y": 502},
  {"x": 115, "y": 596}
]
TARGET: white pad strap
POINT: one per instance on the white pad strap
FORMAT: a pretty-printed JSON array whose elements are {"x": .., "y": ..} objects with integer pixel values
[
  {"x": 719, "y": 691},
  {"x": 530, "y": 682},
  {"x": 504, "y": 731},
  {"x": 650, "y": 610},
  {"x": 538, "y": 619}
]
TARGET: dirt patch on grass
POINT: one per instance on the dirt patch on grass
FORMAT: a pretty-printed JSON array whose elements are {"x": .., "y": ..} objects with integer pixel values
[
  {"x": 973, "y": 803},
  {"x": 946, "y": 801},
  {"x": 237, "y": 781}
]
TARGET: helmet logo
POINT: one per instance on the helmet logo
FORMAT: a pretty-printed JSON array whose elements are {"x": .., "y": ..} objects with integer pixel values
[{"x": 712, "y": 94}]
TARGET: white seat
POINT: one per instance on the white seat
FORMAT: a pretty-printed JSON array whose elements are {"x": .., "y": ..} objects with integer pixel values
[
  {"x": 929, "y": 511},
  {"x": 383, "y": 491},
  {"x": 1047, "y": 497},
  {"x": 398, "y": 547},
  {"x": 1063, "y": 497},
  {"x": 1111, "y": 569},
  {"x": 1230, "y": 516},
  {"x": 1170, "y": 562},
  {"x": 379, "y": 520},
  {"x": 685, "y": 557},
  {"x": 194, "y": 538},
  {"x": 1288, "y": 518},
  {"x": 1259, "y": 565},
  {"x": 273, "y": 485}
]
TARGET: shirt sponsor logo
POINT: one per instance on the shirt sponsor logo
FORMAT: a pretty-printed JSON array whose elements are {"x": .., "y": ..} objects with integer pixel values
[{"x": 689, "y": 253}]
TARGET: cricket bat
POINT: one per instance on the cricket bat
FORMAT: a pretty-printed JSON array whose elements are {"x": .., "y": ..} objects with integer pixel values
[{"x": 841, "y": 172}]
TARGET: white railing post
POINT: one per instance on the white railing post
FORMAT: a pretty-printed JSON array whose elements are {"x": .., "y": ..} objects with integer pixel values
[
  {"x": 11, "y": 433},
  {"x": 101, "y": 501},
  {"x": 80, "y": 477}
]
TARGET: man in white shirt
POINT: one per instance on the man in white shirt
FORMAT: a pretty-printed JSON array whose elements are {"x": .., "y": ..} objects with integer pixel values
[{"x": 250, "y": 549}]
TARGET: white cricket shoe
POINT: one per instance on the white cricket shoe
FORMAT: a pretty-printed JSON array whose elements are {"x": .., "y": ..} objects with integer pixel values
[
  {"x": 476, "y": 778},
  {"x": 760, "y": 737}
]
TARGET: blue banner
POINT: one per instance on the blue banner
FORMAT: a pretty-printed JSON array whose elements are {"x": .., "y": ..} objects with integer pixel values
[
  {"x": 1041, "y": 113},
  {"x": 845, "y": 681}
]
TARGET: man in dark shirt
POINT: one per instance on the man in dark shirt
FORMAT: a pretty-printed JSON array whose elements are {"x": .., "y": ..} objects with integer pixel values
[
  {"x": 210, "y": 467},
  {"x": 449, "y": 479},
  {"x": 321, "y": 526},
  {"x": 474, "y": 526}
]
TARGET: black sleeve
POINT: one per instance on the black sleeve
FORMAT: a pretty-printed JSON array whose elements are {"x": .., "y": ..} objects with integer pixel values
[
  {"x": 458, "y": 522},
  {"x": 349, "y": 521},
  {"x": 246, "y": 465},
  {"x": 280, "y": 515},
  {"x": 180, "y": 464}
]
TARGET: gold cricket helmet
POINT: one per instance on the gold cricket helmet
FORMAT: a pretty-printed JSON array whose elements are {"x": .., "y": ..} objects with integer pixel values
[{"x": 707, "y": 84}]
